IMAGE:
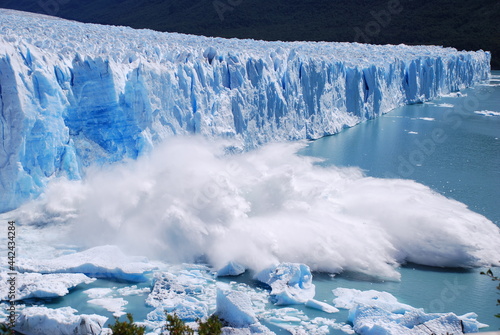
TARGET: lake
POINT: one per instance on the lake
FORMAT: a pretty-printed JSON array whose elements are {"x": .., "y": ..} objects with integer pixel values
[{"x": 462, "y": 163}]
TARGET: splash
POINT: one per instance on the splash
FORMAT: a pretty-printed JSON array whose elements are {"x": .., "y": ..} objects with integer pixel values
[{"x": 188, "y": 199}]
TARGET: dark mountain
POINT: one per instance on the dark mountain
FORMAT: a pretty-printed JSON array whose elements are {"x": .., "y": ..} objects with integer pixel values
[{"x": 463, "y": 24}]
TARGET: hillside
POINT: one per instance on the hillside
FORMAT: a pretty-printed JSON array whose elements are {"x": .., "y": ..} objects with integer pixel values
[{"x": 461, "y": 24}]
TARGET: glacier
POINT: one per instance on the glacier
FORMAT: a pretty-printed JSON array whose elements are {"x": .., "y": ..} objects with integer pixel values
[
  {"x": 73, "y": 95},
  {"x": 373, "y": 312}
]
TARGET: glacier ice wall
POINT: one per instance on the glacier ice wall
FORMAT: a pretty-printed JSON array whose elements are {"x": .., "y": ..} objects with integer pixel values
[{"x": 74, "y": 94}]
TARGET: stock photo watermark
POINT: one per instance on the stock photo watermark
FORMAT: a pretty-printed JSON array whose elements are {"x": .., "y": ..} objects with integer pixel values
[
  {"x": 215, "y": 186},
  {"x": 381, "y": 19},
  {"x": 453, "y": 118},
  {"x": 12, "y": 274},
  {"x": 450, "y": 292},
  {"x": 52, "y": 7},
  {"x": 221, "y": 7}
]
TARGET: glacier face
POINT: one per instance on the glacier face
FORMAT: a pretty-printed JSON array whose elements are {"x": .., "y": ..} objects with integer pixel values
[{"x": 74, "y": 94}]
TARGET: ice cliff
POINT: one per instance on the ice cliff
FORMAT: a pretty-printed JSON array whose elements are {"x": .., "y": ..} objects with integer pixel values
[{"x": 74, "y": 94}]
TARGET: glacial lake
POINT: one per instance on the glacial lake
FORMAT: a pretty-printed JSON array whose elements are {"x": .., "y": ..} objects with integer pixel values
[{"x": 464, "y": 165}]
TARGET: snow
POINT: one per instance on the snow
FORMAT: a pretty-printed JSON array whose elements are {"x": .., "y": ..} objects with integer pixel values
[
  {"x": 35, "y": 285},
  {"x": 63, "y": 321},
  {"x": 290, "y": 283},
  {"x": 78, "y": 94},
  {"x": 99, "y": 262},
  {"x": 372, "y": 312},
  {"x": 234, "y": 307}
]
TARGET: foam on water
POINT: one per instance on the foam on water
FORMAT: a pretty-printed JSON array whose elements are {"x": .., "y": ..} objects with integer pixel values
[{"x": 188, "y": 199}]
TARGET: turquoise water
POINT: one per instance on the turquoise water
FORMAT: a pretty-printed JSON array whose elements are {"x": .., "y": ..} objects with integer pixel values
[{"x": 451, "y": 149}]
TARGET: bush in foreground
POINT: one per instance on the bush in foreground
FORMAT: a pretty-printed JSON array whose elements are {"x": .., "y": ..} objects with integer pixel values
[
  {"x": 213, "y": 326},
  {"x": 127, "y": 328},
  {"x": 175, "y": 326}
]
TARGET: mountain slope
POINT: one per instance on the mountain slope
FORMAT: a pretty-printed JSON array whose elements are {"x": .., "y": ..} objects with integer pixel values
[{"x": 469, "y": 25}]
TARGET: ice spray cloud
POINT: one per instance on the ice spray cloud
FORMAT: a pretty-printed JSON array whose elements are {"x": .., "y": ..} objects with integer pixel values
[{"x": 189, "y": 200}]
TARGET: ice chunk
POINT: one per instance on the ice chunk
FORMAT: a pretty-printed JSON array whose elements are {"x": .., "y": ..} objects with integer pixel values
[
  {"x": 133, "y": 290},
  {"x": 322, "y": 306},
  {"x": 350, "y": 298},
  {"x": 99, "y": 262},
  {"x": 234, "y": 307},
  {"x": 487, "y": 113},
  {"x": 373, "y": 312},
  {"x": 113, "y": 305},
  {"x": 375, "y": 320},
  {"x": 188, "y": 292},
  {"x": 35, "y": 285},
  {"x": 61, "y": 321},
  {"x": 296, "y": 322},
  {"x": 231, "y": 269},
  {"x": 98, "y": 292},
  {"x": 290, "y": 283},
  {"x": 107, "y": 297}
]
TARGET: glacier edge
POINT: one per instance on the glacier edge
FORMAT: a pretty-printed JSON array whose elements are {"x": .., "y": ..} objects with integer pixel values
[{"x": 74, "y": 94}]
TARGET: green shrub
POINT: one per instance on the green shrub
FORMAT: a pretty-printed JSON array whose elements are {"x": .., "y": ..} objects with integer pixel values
[
  {"x": 5, "y": 329},
  {"x": 127, "y": 328},
  {"x": 213, "y": 326},
  {"x": 175, "y": 326}
]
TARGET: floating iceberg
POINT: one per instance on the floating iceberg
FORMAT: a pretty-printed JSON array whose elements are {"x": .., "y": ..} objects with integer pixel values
[
  {"x": 487, "y": 113},
  {"x": 372, "y": 313},
  {"x": 322, "y": 306},
  {"x": 235, "y": 307},
  {"x": 296, "y": 322},
  {"x": 76, "y": 94},
  {"x": 290, "y": 283},
  {"x": 35, "y": 285},
  {"x": 99, "y": 262},
  {"x": 188, "y": 292},
  {"x": 231, "y": 269},
  {"x": 61, "y": 321},
  {"x": 113, "y": 305}
]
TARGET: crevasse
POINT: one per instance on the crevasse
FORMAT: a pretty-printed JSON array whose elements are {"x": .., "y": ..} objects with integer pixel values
[{"x": 74, "y": 94}]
